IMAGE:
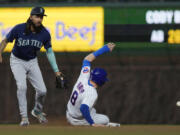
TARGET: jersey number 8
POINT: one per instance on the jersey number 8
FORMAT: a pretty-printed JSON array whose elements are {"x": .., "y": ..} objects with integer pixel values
[{"x": 74, "y": 97}]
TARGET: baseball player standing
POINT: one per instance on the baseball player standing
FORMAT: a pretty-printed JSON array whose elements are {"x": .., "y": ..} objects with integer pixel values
[
  {"x": 80, "y": 110},
  {"x": 29, "y": 38}
]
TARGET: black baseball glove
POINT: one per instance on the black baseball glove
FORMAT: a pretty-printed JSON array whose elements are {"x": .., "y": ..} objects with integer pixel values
[{"x": 61, "y": 82}]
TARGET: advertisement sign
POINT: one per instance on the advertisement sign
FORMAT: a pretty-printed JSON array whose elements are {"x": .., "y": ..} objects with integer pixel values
[{"x": 71, "y": 28}]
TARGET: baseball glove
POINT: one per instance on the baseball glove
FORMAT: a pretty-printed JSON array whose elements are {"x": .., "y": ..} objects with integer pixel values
[{"x": 61, "y": 82}]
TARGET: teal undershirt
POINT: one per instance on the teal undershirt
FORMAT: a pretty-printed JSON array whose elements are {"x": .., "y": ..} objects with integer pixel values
[{"x": 52, "y": 59}]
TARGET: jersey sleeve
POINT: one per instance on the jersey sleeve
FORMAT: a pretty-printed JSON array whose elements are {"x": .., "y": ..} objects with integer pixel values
[
  {"x": 12, "y": 34},
  {"x": 90, "y": 98},
  {"x": 85, "y": 70},
  {"x": 47, "y": 42}
]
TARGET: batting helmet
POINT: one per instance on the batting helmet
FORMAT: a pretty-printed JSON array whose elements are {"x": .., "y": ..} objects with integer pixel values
[{"x": 98, "y": 75}]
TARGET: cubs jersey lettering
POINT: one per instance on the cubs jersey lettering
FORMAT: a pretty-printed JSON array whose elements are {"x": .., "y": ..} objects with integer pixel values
[
  {"x": 83, "y": 93},
  {"x": 26, "y": 46}
]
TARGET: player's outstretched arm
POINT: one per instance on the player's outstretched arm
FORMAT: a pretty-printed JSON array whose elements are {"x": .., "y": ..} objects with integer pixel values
[
  {"x": 106, "y": 48},
  {"x": 86, "y": 114},
  {"x": 3, "y": 45},
  {"x": 60, "y": 81},
  {"x": 52, "y": 60}
]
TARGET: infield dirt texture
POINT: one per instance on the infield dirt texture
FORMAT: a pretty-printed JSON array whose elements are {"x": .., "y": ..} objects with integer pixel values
[
  {"x": 61, "y": 127},
  {"x": 69, "y": 130}
]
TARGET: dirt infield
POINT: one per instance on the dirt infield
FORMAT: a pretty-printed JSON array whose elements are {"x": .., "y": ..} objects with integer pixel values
[
  {"x": 70, "y": 130},
  {"x": 59, "y": 126},
  {"x": 59, "y": 121}
]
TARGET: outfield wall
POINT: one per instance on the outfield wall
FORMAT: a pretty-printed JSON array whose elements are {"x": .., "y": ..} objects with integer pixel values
[{"x": 141, "y": 90}]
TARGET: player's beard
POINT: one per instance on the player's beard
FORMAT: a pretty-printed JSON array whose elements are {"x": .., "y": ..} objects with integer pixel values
[{"x": 30, "y": 23}]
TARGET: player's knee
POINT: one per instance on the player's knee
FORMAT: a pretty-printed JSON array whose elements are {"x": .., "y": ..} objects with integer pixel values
[
  {"x": 106, "y": 120},
  {"x": 21, "y": 87},
  {"x": 101, "y": 119},
  {"x": 42, "y": 91}
]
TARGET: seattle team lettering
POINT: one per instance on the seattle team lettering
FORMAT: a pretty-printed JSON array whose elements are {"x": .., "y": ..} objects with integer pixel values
[
  {"x": 27, "y": 42},
  {"x": 75, "y": 93}
]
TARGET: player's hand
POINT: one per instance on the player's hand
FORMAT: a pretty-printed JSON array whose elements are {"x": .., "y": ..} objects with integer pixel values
[
  {"x": 111, "y": 46},
  {"x": 61, "y": 82},
  {"x": 58, "y": 73},
  {"x": 98, "y": 125},
  {"x": 0, "y": 58}
]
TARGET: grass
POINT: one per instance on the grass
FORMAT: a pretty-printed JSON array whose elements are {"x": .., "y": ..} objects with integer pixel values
[{"x": 70, "y": 130}]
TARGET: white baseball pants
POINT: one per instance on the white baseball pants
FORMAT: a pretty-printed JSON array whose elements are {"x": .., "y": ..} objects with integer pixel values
[
  {"x": 97, "y": 118},
  {"x": 23, "y": 70}
]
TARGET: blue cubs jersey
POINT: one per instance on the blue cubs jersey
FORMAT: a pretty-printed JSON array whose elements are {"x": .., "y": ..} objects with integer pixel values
[{"x": 26, "y": 46}]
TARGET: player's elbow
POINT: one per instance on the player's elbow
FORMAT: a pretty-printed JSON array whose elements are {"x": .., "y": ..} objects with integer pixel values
[
  {"x": 90, "y": 57},
  {"x": 84, "y": 108}
]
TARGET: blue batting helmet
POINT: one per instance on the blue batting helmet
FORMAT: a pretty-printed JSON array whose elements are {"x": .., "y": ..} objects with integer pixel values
[{"x": 98, "y": 75}]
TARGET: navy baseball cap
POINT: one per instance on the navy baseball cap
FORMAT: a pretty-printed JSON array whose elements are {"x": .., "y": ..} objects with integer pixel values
[{"x": 38, "y": 11}]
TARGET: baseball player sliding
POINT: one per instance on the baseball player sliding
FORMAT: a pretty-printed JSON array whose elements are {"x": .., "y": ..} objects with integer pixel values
[
  {"x": 29, "y": 38},
  {"x": 80, "y": 110}
]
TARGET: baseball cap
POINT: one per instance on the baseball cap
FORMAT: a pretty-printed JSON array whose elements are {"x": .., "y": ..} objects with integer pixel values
[{"x": 38, "y": 11}]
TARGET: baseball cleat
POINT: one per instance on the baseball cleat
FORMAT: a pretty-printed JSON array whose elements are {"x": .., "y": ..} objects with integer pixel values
[
  {"x": 24, "y": 122},
  {"x": 111, "y": 124},
  {"x": 40, "y": 116}
]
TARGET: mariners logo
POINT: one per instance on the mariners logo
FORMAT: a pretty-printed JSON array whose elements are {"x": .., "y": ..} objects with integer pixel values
[{"x": 85, "y": 70}]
